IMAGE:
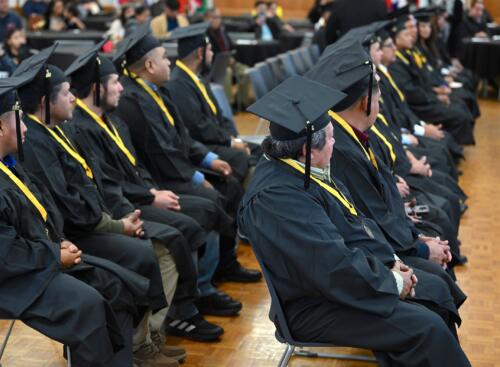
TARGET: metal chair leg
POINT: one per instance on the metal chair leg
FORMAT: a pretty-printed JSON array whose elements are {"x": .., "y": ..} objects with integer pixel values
[
  {"x": 68, "y": 355},
  {"x": 287, "y": 354},
  {"x": 345, "y": 357},
  {"x": 6, "y": 339}
]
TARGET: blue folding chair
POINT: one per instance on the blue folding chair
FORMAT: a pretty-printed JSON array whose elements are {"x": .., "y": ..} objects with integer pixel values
[
  {"x": 6, "y": 340},
  {"x": 306, "y": 57},
  {"x": 286, "y": 61},
  {"x": 283, "y": 335},
  {"x": 258, "y": 83},
  {"x": 298, "y": 62},
  {"x": 315, "y": 52},
  {"x": 277, "y": 69}
]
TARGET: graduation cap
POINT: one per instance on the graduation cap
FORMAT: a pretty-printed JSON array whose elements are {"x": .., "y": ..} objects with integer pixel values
[
  {"x": 135, "y": 46},
  {"x": 10, "y": 102},
  {"x": 36, "y": 79},
  {"x": 399, "y": 13},
  {"x": 190, "y": 38},
  {"x": 295, "y": 109},
  {"x": 423, "y": 15},
  {"x": 346, "y": 66},
  {"x": 88, "y": 69}
]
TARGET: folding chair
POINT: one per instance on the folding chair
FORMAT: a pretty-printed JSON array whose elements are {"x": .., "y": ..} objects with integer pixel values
[
  {"x": 288, "y": 67},
  {"x": 283, "y": 335},
  {"x": 267, "y": 74},
  {"x": 298, "y": 62},
  {"x": 6, "y": 340},
  {"x": 258, "y": 83},
  {"x": 277, "y": 69},
  {"x": 306, "y": 57},
  {"x": 219, "y": 67},
  {"x": 315, "y": 52}
]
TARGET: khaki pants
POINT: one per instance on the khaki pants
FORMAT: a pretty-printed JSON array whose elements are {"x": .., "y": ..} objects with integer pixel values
[
  {"x": 244, "y": 86},
  {"x": 169, "y": 277}
]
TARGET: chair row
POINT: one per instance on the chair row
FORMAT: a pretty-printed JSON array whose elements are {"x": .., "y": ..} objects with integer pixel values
[{"x": 266, "y": 75}]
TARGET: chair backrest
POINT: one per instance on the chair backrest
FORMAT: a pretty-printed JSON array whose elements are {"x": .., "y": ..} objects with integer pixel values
[
  {"x": 277, "y": 69},
  {"x": 315, "y": 52},
  {"x": 306, "y": 57},
  {"x": 298, "y": 62},
  {"x": 267, "y": 74},
  {"x": 257, "y": 80},
  {"x": 219, "y": 67},
  {"x": 220, "y": 96},
  {"x": 276, "y": 313},
  {"x": 288, "y": 67}
]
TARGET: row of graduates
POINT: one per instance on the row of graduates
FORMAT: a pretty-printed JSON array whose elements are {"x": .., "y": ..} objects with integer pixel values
[
  {"x": 115, "y": 221},
  {"x": 329, "y": 207}
]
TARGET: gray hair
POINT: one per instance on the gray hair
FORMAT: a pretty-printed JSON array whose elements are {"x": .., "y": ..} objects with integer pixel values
[{"x": 292, "y": 148}]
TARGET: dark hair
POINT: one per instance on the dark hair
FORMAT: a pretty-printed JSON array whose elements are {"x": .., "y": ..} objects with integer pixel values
[
  {"x": 31, "y": 96},
  {"x": 172, "y": 4},
  {"x": 292, "y": 148},
  {"x": 123, "y": 19},
  {"x": 83, "y": 91},
  {"x": 48, "y": 13},
  {"x": 141, "y": 9},
  {"x": 8, "y": 35}
]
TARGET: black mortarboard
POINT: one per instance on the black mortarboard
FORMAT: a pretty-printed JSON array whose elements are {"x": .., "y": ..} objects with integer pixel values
[
  {"x": 89, "y": 68},
  {"x": 423, "y": 15},
  {"x": 345, "y": 66},
  {"x": 135, "y": 46},
  {"x": 295, "y": 109},
  {"x": 190, "y": 38},
  {"x": 9, "y": 102},
  {"x": 36, "y": 78}
]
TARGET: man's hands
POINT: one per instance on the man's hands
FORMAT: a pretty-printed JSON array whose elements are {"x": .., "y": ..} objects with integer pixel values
[
  {"x": 434, "y": 131},
  {"x": 403, "y": 188},
  {"x": 409, "y": 279},
  {"x": 166, "y": 199},
  {"x": 132, "y": 225},
  {"x": 439, "y": 251},
  {"x": 413, "y": 139},
  {"x": 421, "y": 167},
  {"x": 218, "y": 165},
  {"x": 240, "y": 145},
  {"x": 70, "y": 254}
]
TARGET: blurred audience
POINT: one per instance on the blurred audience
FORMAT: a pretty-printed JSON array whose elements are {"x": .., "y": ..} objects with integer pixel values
[{"x": 163, "y": 24}]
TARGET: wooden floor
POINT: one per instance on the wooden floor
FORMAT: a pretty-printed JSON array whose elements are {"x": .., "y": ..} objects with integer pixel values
[{"x": 249, "y": 339}]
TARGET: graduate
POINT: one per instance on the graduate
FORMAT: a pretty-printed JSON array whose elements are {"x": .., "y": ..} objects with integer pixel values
[
  {"x": 176, "y": 162},
  {"x": 348, "y": 67},
  {"x": 85, "y": 302},
  {"x": 197, "y": 105},
  {"x": 335, "y": 274},
  {"x": 434, "y": 105},
  {"x": 55, "y": 161},
  {"x": 103, "y": 136}
]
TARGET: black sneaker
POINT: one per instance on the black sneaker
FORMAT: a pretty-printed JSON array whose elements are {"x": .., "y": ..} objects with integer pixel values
[
  {"x": 237, "y": 273},
  {"x": 218, "y": 304},
  {"x": 195, "y": 328}
]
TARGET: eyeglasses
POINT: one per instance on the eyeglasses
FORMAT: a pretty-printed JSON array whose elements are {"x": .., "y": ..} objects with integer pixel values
[{"x": 390, "y": 45}]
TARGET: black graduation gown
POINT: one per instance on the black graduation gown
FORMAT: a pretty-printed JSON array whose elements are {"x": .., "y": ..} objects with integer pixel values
[
  {"x": 172, "y": 156},
  {"x": 375, "y": 193},
  {"x": 428, "y": 186},
  {"x": 349, "y": 14},
  {"x": 37, "y": 291},
  {"x": 168, "y": 152},
  {"x": 161, "y": 224},
  {"x": 214, "y": 131},
  {"x": 81, "y": 206},
  {"x": 331, "y": 271},
  {"x": 456, "y": 119},
  {"x": 441, "y": 153}
]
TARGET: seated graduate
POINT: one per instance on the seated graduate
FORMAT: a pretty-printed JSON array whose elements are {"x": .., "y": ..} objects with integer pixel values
[
  {"x": 165, "y": 147},
  {"x": 421, "y": 138},
  {"x": 347, "y": 67},
  {"x": 337, "y": 277},
  {"x": 436, "y": 188},
  {"x": 265, "y": 28},
  {"x": 197, "y": 105},
  {"x": 87, "y": 303},
  {"x": 431, "y": 105},
  {"x": 102, "y": 137},
  {"x": 53, "y": 159}
]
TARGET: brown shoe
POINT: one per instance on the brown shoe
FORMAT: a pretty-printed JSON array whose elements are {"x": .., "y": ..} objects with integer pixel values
[
  {"x": 171, "y": 351},
  {"x": 149, "y": 356}
]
